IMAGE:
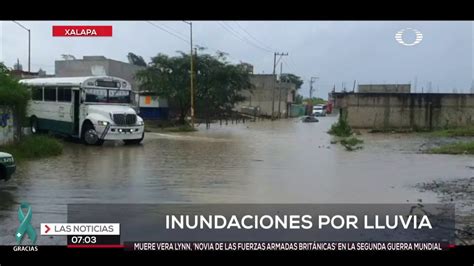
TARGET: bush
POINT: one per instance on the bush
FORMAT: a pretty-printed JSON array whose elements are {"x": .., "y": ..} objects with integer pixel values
[
  {"x": 352, "y": 143},
  {"x": 341, "y": 128},
  {"x": 34, "y": 147}
]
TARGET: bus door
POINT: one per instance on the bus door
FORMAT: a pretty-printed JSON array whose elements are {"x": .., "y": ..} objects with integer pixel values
[{"x": 76, "y": 105}]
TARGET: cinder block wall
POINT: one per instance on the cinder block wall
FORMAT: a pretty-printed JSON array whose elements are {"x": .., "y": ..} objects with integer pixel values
[
  {"x": 407, "y": 110},
  {"x": 262, "y": 95}
]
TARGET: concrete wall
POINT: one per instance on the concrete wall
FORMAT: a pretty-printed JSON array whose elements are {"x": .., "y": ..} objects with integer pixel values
[
  {"x": 384, "y": 88},
  {"x": 6, "y": 126},
  {"x": 262, "y": 95},
  {"x": 406, "y": 110},
  {"x": 95, "y": 66}
]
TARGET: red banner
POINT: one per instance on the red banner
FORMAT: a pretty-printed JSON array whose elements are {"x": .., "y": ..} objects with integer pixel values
[{"x": 82, "y": 31}]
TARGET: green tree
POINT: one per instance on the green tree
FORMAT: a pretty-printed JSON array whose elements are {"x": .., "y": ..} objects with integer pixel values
[
  {"x": 218, "y": 83},
  {"x": 315, "y": 100},
  {"x": 299, "y": 99},
  {"x": 13, "y": 95},
  {"x": 136, "y": 60},
  {"x": 292, "y": 78}
]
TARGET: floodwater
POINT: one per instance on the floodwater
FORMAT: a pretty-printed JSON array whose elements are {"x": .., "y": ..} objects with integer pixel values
[{"x": 282, "y": 161}]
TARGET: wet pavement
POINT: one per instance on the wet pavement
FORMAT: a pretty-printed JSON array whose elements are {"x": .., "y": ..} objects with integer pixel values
[{"x": 283, "y": 161}]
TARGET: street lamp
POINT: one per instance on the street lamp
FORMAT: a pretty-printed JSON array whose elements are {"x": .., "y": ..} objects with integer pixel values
[
  {"x": 29, "y": 44},
  {"x": 192, "y": 71}
]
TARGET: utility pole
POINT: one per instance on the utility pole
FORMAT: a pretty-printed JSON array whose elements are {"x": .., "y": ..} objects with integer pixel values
[
  {"x": 279, "y": 89},
  {"x": 311, "y": 81},
  {"x": 192, "y": 71},
  {"x": 29, "y": 44},
  {"x": 416, "y": 81},
  {"x": 275, "y": 62}
]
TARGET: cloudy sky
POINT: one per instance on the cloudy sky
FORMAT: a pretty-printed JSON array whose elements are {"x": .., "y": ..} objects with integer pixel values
[{"x": 338, "y": 52}]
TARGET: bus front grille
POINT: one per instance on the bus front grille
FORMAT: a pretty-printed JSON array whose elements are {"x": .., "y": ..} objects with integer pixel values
[{"x": 125, "y": 119}]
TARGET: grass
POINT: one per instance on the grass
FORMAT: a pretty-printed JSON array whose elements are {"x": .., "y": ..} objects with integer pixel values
[
  {"x": 454, "y": 132},
  {"x": 352, "y": 143},
  {"x": 34, "y": 147},
  {"x": 455, "y": 148}
]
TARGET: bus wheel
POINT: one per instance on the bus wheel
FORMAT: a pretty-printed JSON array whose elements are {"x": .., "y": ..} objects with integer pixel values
[
  {"x": 34, "y": 126},
  {"x": 90, "y": 136}
]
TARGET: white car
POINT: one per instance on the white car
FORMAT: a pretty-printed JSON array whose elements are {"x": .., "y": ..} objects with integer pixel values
[{"x": 319, "y": 110}]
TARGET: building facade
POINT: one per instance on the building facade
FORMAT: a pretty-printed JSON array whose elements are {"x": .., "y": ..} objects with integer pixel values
[
  {"x": 148, "y": 105},
  {"x": 268, "y": 95},
  {"x": 97, "y": 66}
]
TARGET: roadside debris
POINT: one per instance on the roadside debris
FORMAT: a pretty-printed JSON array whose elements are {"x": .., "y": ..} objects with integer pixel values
[{"x": 462, "y": 192}]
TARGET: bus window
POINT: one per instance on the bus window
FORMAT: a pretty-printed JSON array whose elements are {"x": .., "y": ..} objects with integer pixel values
[
  {"x": 64, "y": 94},
  {"x": 50, "y": 94},
  {"x": 96, "y": 95},
  {"x": 37, "y": 93},
  {"x": 119, "y": 96}
]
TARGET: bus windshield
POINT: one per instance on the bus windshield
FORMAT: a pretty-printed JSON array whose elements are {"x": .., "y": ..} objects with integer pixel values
[{"x": 107, "y": 96}]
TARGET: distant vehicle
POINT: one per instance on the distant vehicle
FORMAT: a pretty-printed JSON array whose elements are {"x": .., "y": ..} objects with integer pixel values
[
  {"x": 7, "y": 166},
  {"x": 329, "y": 107},
  {"x": 94, "y": 109},
  {"x": 309, "y": 119},
  {"x": 319, "y": 110}
]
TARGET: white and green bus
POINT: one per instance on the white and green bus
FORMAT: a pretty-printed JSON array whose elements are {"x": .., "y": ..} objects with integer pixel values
[{"x": 93, "y": 109}]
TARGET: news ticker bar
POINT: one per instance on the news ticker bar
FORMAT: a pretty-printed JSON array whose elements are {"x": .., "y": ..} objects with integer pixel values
[
  {"x": 287, "y": 246},
  {"x": 270, "y": 246},
  {"x": 77, "y": 229}
]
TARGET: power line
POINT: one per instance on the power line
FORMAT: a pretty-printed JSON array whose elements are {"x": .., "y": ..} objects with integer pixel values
[
  {"x": 195, "y": 44},
  {"x": 229, "y": 29},
  {"x": 163, "y": 29},
  {"x": 251, "y": 36},
  {"x": 250, "y": 42},
  {"x": 174, "y": 30},
  {"x": 291, "y": 69},
  {"x": 293, "y": 63}
]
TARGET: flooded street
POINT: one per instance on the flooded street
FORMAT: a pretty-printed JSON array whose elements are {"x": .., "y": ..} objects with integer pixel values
[{"x": 283, "y": 161}]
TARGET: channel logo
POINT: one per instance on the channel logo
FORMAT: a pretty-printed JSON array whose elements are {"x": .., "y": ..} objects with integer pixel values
[{"x": 399, "y": 37}]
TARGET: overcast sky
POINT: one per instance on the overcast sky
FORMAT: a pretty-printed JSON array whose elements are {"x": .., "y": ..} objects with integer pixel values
[{"x": 335, "y": 51}]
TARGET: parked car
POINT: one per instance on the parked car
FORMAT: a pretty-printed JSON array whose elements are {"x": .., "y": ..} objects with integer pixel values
[
  {"x": 319, "y": 110},
  {"x": 7, "y": 166}
]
